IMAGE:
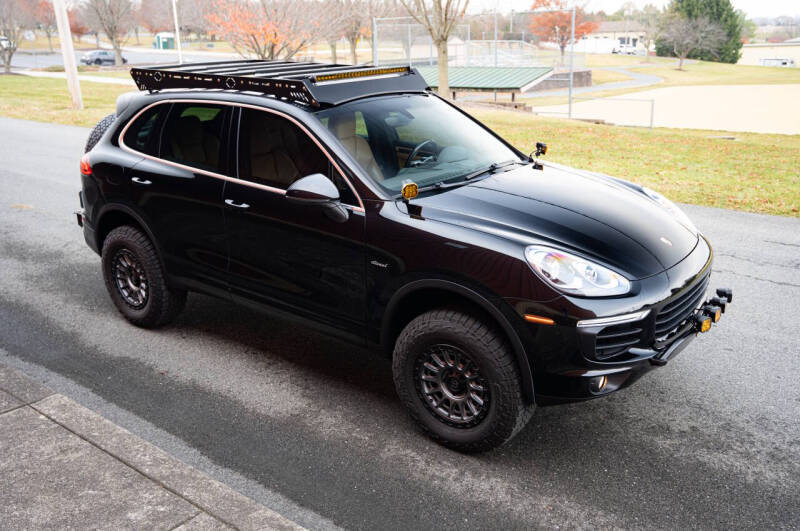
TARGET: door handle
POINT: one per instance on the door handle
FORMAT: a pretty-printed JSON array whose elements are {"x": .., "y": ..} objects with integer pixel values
[
  {"x": 139, "y": 180},
  {"x": 231, "y": 202}
]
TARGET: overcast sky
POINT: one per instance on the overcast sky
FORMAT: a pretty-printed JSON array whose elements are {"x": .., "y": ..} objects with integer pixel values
[{"x": 753, "y": 8}]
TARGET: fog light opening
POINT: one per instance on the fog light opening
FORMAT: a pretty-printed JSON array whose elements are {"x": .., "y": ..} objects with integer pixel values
[{"x": 598, "y": 383}]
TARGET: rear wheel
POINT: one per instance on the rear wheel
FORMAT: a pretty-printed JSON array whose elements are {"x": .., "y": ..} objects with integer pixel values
[
  {"x": 459, "y": 381},
  {"x": 135, "y": 279}
]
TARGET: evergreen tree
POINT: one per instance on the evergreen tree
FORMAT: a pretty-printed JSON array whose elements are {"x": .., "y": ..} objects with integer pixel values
[{"x": 719, "y": 11}]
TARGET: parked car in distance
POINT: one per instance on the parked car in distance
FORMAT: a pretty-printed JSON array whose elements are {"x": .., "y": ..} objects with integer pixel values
[
  {"x": 5, "y": 43},
  {"x": 356, "y": 201},
  {"x": 100, "y": 57}
]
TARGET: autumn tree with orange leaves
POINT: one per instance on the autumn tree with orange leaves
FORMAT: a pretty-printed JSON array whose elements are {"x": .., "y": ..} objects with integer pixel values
[
  {"x": 267, "y": 29},
  {"x": 555, "y": 26}
]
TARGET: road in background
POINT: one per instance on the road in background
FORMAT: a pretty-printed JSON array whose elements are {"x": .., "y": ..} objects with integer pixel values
[
  {"x": 137, "y": 56},
  {"x": 298, "y": 421}
]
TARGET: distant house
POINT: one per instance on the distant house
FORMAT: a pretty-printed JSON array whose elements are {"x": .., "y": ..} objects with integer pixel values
[{"x": 614, "y": 36}]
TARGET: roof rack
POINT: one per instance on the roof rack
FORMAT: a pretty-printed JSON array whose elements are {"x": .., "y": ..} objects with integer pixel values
[{"x": 314, "y": 84}]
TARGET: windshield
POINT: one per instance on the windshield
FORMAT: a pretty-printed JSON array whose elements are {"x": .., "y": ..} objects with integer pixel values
[{"x": 416, "y": 137}]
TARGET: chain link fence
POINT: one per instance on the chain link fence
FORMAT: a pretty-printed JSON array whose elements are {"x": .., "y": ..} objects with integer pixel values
[{"x": 402, "y": 40}]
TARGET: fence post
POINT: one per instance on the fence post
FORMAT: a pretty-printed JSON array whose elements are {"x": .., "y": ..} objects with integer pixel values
[
  {"x": 652, "y": 111},
  {"x": 468, "y": 43},
  {"x": 374, "y": 41},
  {"x": 408, "y": 28}
]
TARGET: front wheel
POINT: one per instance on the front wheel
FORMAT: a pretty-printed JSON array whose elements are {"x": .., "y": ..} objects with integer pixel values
[
  {"x": 459, "y": 381},
  {"x": 136, "y": 281}
]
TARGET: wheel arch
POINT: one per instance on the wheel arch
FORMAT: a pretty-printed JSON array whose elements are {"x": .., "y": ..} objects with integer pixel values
[
  {"x": 420, "y": 296},
  {"x": 117, "y": 215}
]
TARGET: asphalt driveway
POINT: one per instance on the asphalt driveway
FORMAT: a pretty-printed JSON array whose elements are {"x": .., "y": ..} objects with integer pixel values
[{"x": 312, "y": 427}]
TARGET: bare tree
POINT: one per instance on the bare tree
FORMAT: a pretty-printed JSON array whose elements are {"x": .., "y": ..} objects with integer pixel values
[
  {"x": 649, "y": 17},
  {"x": 686, "y": 35},
  {"x": 268, "y": 29},
  {"x": 439, "y": 18},
  {"x": 15, "y": 16},
  {"x": 335, "y": 25},
  {"x": 112, "y": 17},
  {"x": 45, "y": 17}
]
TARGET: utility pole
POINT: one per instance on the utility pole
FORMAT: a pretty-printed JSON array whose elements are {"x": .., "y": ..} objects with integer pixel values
[
  {"x": 571, "y": 59},
  {"x": 68, "y": 53},
  {"x": 374, "y": 41},
  {"x": 177, "y": 31},
  {"x": 495, "y": 35}
]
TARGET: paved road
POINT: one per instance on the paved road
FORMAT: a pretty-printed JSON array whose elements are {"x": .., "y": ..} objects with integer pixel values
[
  {"x": 637, "y": 79},
  {"x": 134, "y": 57},
  {"x": 312, "y": 427}
]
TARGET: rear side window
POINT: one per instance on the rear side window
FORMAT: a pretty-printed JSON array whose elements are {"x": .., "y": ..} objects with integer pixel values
[
  {"x": 142, "y": 135},
  {"x": 193, "y": 135}
]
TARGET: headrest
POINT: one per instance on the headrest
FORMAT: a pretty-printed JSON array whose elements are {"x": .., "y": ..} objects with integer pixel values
[
  {"x": 264, "y": 136},
  {"x": 189, "y": 130},
  {"x": 343, "y": 125}
]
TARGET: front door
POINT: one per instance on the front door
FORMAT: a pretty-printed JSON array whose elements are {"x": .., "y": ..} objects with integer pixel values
[{"x": 291, "y": 256}]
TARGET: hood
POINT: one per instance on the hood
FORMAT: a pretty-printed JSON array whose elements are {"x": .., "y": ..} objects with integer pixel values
[{"x": 605, "y": 219}]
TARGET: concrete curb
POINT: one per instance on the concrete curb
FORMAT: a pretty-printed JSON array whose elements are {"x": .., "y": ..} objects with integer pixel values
[{"x": 219, "y": 503}]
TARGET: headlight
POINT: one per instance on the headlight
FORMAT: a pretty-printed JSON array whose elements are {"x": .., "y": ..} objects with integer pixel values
[
  {"x": 670, "y": 207},
  {"x": 575, "y": 275}
]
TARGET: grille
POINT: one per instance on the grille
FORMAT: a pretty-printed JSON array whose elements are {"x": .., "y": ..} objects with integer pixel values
[
  {"x": 614, "y": 340},
  {"x": 675, "y": 312}
]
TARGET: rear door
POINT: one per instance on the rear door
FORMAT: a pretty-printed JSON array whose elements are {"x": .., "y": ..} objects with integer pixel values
[
  {"x": 291, "y": 256},
  {"x": 178, "y": 185}
]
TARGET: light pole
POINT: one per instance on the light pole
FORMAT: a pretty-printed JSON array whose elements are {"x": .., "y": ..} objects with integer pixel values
[
  {"x": 68, "y": 53},
  {"x": 495, "y": 35},
  {"x": 177, "y": 31},
  {"x": 571, "y": 59}
]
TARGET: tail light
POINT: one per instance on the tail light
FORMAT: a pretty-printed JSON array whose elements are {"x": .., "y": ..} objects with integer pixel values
[{"x": 86, "y": 168}]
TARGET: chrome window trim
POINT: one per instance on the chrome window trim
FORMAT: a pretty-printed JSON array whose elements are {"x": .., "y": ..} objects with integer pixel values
[
  {"x": 615, "y": 320},
  {"x": 359, "y": 208}
]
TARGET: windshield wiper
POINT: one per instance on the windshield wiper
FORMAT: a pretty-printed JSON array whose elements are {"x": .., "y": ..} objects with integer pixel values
[
  {"x": 491, "y": 168},
  {"x": 441, "y": 185}
]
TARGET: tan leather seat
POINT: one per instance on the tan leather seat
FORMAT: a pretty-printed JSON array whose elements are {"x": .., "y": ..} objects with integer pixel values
[
  {"x": 344, "y": 127},
  {"x": 268, "y": 161},
  {"x": 191, "y": 145}
]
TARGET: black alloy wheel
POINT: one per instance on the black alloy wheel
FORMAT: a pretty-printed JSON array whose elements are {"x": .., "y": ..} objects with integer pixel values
[
  {"x": 131, "y": 279},
  {"x": 452, "y": 385}
]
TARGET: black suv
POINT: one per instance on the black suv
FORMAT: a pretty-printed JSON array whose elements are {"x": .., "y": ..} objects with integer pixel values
[{"x": 354, "y": 200}]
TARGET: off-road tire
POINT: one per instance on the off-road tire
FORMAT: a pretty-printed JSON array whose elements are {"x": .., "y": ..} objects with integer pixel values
[
  {"x": 97, "y": 132},
  {"x": 508, "y": 411},
  {"x": 163, "y": 303}
]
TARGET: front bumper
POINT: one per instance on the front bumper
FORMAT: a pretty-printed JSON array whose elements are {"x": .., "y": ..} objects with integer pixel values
[
  {"x": 593, "y": 347},
  {"x": 588, "y": 383}
]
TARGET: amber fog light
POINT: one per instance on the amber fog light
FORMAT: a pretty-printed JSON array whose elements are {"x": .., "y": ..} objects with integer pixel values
[{"x": 598, "y": 383}]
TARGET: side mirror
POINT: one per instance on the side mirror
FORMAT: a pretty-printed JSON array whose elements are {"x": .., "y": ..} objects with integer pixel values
[
  {"x": 541, "y": 149},
  {"x": 318, "y": 190}
]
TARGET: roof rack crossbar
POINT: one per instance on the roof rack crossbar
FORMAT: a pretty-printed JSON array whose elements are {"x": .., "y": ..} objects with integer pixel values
[
  {"x": 272, "y": 70},
  {"x": 237, "y": 69}
]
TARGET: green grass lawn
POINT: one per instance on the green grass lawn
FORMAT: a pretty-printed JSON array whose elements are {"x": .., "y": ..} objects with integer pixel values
[
  {"x": 756, "y": 172},
  {"x": 707, "y": 73},
  {"x": 600, "y": 76},
  {"x": 47, "y": 100}
]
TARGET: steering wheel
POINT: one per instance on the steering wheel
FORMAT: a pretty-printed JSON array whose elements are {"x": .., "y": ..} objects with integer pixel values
[{"x": 415, "y": 151}]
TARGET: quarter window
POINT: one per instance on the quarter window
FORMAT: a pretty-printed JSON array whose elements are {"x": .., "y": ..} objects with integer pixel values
[
  {"x": 142, "y": 135},
  {"x": 193, "y": 136}
]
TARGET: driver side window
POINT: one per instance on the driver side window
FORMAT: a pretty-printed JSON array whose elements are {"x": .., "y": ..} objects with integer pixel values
[{"x": 275, "y": 152}]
